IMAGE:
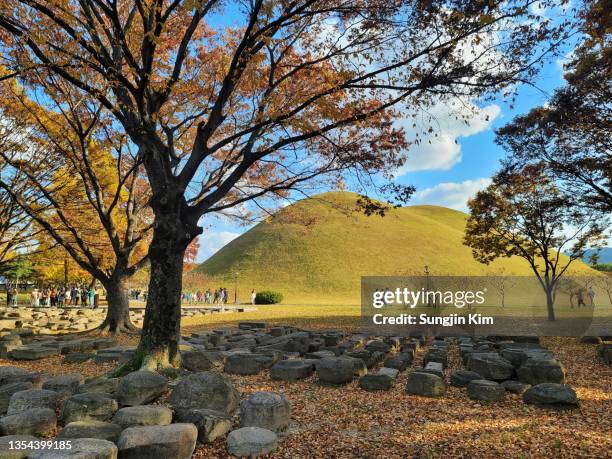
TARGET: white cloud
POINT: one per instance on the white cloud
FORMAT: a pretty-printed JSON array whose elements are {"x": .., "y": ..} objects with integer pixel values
[
  {"x": 451, "y": 194},
  {"x": 211, "y": 242},
  {"x": 442, "y": 151}
]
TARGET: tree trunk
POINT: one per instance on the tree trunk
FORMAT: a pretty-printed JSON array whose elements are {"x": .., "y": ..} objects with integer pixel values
[
  {"x": 118, "y": 312},
  {"x": 550, "y": 303},
  {"x": 158, "y": 347}
]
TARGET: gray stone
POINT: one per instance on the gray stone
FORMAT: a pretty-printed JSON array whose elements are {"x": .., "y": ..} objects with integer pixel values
[
  {"x": 435, "y": 368},
  {"x": 376, "y": 382},
  {"x": 246, "y": 364},
  {"x": 176, "y": 441},
  {"x": 436, "y": 355},
  {"x": 32, "y": 353},
  {"x": 400, "y": 361},
  {"x": 195, "y": 361},
  {"x": 32, "y": 398},
  {"x": 461, "y": 378},
  {"x": 106, "y": 386},
  {"x": 336, "y": 370},
  {"x": 141, "y": 387},
  {"x": 64, "y": 385},
  {"x": 552, "y": 395},
  {"x": 9, "y": 373},
  {"x": 8, "y": 390},
  {"x": 537, "y": 371},
  {"x": 35, "y": 421},
  {"x": 94, "y": 406},
  {"x": 251, "y": 442},
  {"x": 91, "y": 429},
  {"x": 392, "y": 373},
  {"x": 5, "y": 446},
  {"x": 426, "y": 384},
  {"x": 267, "y": 410},
  {"x": 205, "y": 390},
  {"x": 491, "y": 366},
  {"x": 291, "y": 370},
  {"x": 210, "y": 424},
  {"x": 143, "y": 415},
  {"x": 515, "y": 387},
  {"x": 81, "y": 448},
  {"x": 485, "y": 391}
]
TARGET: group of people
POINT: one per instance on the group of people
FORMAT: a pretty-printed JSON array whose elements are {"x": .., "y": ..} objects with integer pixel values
[
  {"x": 219, "y": 296},
  {"x": 65, "y": 296}
]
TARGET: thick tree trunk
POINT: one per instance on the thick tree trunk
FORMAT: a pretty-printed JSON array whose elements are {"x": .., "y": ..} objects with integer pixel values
[
  {"x": 118, "y": 313},
  {"x": 158, "y": 347}
]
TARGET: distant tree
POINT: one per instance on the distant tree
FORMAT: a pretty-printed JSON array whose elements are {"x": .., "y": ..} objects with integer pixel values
[
  {"x": 502, "y": 283},
  {"x": 294, "y": 92},
  {"x": 525, "y": 214}
]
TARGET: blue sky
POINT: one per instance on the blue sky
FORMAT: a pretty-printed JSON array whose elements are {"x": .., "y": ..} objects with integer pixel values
[
  {"x": 456, "y": 172},
  {"x": 445, "y": 172}
]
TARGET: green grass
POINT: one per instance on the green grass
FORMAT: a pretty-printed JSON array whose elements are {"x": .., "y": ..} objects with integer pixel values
[{"x": 316, "y": 250}]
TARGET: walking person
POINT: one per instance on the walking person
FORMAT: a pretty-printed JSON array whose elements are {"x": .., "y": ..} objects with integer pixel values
[{"x": 253, "y": 296}]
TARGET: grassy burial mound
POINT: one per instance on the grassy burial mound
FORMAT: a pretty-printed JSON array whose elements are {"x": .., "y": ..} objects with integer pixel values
[{"x": 316, "y": 250}]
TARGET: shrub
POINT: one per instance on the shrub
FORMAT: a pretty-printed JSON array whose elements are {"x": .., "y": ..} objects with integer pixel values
[{"x": 268, "y": 297}]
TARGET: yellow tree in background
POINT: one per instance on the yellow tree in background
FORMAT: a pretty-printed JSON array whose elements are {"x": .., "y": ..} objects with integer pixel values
[{"x": 79, "y": 183}]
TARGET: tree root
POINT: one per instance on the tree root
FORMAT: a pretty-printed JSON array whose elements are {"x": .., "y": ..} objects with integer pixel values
[
  {"x": 142, "y": 359},
  {"x": 104, "y": 329}
]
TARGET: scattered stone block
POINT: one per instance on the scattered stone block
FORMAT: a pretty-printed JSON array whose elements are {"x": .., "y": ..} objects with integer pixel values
[
  {"x": 92, "y": 406},
  {"x": 80, "y": 448},
  {"x": 515, "y": 387},
  {"x": 551, "y": 395},
  {"x": 196, "y": 361},
  {"x": 35, "y": 421},
  {"x": 205, "y": 390},
  {"x": 291, "y": 370},
  {"x": 210, "y": 424},
  {"x": 536, "y": 371},
  {"x": 336, "y": 370},
  {"x": 491, "y": 366},
  {"x": 267, "y": 410},
  {"x": 251, "y": 442},
  {"x": 32, "y": 398},
  {"x": 7, "y": 390},
  {"x": 426, "y": 384},
  {"x": 176, "y": 441},
  {"x": 104, "y": 385},
  {"x": 64, "y": 385},
  {"x": 91, "y": 429},
  {"x": 485, "y": 391},
  {"x": 143, "y": 415},
  {"x": 461, "y": 378},
  {"x": 141, "y": 387}
]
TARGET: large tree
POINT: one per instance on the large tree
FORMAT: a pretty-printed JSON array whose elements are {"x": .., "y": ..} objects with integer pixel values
[
  {"x": 80, "y": 186},
  {"x": 525, "y": 214},
  {"x": 229, "y": 102},
  {"x": 572, "y": 132}
]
